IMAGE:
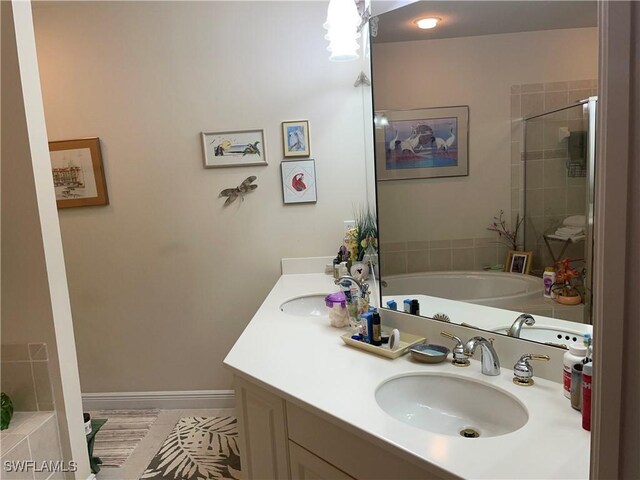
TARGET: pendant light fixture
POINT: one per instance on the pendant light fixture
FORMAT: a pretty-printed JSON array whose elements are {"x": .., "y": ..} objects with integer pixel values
[{"x": 343, "y": 22}]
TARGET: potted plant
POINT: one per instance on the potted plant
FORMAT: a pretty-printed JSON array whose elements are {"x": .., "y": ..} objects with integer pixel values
[
  {"x": 6, "y": 413},
  {"x": 362, "y": 242},
  {"x": 565, "y": 292}
]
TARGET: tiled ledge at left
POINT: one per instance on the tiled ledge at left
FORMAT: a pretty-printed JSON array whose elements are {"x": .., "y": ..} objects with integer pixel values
[
  {"x": 25, "y": 376},
  {"x": 31, "y": 437}
]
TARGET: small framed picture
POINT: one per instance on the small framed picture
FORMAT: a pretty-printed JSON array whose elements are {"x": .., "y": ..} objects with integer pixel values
[
  {"x": 295, "y": 139},
  {"x": 78, "y": 173},
  {"x": 299, "y": 181},
  {"x": 234, "y": 149},
  {"x": 518, "y": 262}
]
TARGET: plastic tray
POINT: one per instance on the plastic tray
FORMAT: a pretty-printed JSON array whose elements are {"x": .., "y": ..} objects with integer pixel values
[{"x": 407, "y": 341}]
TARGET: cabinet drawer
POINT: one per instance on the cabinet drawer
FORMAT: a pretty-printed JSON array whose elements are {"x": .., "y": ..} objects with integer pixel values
[
  {"x": 307, "y": 466},
  {"x": 350, "y": 453}
]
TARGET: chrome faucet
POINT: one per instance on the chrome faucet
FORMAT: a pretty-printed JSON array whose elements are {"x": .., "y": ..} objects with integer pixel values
[
  {"x": 523, "y": 372},
  {"x": 489, "y": 359},
  {"x": 525, "y": 318},
  {"x": 363, "y": 287}
]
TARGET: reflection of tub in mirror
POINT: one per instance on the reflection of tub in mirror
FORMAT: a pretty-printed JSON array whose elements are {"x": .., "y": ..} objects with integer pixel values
[{"x": 494, "y": 289}]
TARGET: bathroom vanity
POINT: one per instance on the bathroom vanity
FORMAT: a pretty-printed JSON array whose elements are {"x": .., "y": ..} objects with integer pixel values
[{"x": 310, "y": 406}]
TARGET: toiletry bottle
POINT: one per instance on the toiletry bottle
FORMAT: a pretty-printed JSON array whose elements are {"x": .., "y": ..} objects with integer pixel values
[
  {"x": 587, "y": 371},
  {"x": 548, "y": 279},
  {"x": 343, "y": 270},
  {"x": 366, "y": 327},
  {"x": 407, "y": 305},
  {"x": 87, "y": 423},
  {"x": 415, "y": 307},
  {"x": 576, "y": 386},
  {"x": 576, "y": 354},
  {"x": 392, "y": 305},
  {"x": 376, "y": 338},
  {"x": 587, "y": 340}
]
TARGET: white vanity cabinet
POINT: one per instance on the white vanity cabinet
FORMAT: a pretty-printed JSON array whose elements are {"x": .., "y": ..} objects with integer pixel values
[
  {"x": 262, "y": 427},
  {"x": 280, "y": 440}
]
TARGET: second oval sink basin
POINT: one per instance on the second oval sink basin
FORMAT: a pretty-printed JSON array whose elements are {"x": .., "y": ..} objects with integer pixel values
[
  {"x": 451, "y": 405},
  {"x": 541, "y": 333},
  {"x": 306, "y": 306}
]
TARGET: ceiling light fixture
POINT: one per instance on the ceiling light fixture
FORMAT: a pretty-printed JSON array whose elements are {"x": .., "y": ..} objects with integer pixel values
[{"x": 427, "y": 23}]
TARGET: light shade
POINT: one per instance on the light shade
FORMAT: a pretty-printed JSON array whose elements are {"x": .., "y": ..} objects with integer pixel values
[
  {"x": 380, "y": 120},
  {"x": 342, "y": 25},
  {"x": 426, "y": 23}
]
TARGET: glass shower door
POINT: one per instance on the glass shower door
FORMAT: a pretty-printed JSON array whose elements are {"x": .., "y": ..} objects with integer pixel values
[{"x": 558, "y": 191}]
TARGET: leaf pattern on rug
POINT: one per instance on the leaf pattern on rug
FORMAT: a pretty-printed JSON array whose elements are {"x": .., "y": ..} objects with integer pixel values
[{"x": 198, "y": 448}]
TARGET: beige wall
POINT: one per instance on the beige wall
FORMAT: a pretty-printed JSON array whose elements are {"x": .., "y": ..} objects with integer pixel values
[
  {"x": 479, "y": 72},
  {"x": 164, "y": 279}
]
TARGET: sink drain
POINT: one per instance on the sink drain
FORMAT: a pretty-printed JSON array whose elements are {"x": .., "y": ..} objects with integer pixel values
[{"x": 469, "y": 433}]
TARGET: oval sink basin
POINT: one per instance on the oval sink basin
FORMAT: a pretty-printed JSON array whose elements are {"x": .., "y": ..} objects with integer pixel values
[
  {"x": 451, "y": 405},
  {"x": 546, "y": 334},
  {"x": 306, "y": 306}
]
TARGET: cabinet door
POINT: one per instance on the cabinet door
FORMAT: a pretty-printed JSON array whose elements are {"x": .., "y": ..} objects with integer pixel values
[
  {"x": 306, "y": 466},
  {"x": 263, "y": 433}
]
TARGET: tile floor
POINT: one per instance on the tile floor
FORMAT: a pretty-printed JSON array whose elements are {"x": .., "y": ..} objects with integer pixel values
[{"x": 149, "y": 445}]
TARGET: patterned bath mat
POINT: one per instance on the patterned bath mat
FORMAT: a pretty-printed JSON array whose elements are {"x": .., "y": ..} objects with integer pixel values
[
  {"x": 198, "y": 448},
  {"x": 119, "y": 437}
]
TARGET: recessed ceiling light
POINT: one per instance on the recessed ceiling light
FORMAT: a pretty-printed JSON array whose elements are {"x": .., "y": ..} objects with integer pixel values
[{"x": 426, "y": 23}]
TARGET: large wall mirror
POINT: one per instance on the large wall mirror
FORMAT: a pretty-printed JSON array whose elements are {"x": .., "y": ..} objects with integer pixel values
[{"x": 484, "y": 132}]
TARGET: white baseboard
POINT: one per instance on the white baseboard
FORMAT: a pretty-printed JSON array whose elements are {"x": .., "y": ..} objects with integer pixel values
[{"x": 163, "y": 400}]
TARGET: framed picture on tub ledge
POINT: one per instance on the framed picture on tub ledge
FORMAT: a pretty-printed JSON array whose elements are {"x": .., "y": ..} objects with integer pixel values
[
  {"x": 299, "y": 181},
  {"x": 295, "y": 139},
  {"x": 423, "y": 143},
  {"x": 518, "y": 262},
  {"x": 78, "y": 173},
  {"x": 239, "y": 148}
]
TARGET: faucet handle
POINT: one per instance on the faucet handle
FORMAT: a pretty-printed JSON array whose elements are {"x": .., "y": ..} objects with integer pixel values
[
  {"x": 459, "y": 357},
  {"x": 523, "y": 372}
]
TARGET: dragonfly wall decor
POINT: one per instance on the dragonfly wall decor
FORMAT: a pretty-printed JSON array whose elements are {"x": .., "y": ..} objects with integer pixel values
[{"x": 232, "y": 193}]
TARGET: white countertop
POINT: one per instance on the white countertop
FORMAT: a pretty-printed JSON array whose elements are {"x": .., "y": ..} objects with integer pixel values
[{"x": 304, "y": 359}]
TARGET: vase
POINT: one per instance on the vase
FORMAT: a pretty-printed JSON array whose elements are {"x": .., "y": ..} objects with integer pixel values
[{"x": 572, "y": 300}]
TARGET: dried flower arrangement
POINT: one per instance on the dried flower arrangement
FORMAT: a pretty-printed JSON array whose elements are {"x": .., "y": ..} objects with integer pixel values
[{"x": 505, "y": 236}]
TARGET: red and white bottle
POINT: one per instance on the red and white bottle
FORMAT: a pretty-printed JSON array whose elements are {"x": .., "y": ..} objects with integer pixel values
[{"x": 576, "y": 354}]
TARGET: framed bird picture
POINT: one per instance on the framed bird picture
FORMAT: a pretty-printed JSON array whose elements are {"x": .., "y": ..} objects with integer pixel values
[
  {"x": 234, "y": 149},
  {"x": 423, "y": 143},
  {"x": 295, "y": 139},
  {"x": 299, "y": 181}
]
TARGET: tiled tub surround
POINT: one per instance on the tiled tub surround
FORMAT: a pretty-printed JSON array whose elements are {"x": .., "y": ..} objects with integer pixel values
[
  {"x": 441, "y": 255},
  {"x": 32, "y": 436},
  {"x": 25, "y": 376},
  {"x": 551, "y": 194}
]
